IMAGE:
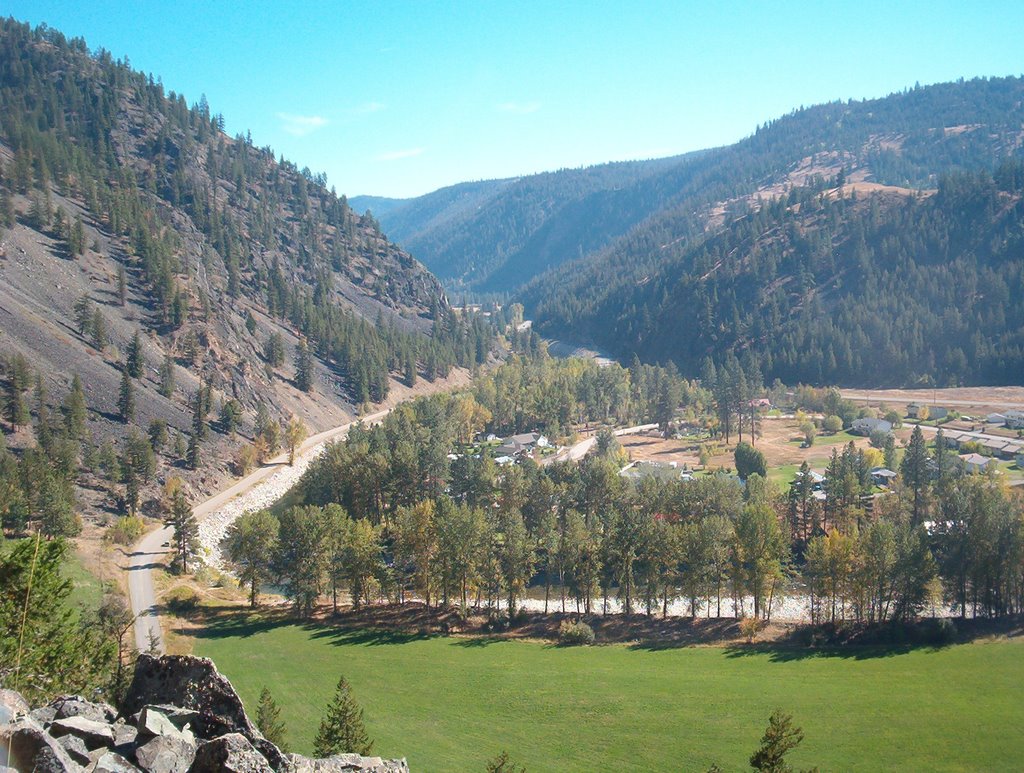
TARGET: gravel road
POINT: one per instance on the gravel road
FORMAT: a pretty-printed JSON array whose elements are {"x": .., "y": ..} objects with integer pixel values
[{"x": 255, "y": 491}]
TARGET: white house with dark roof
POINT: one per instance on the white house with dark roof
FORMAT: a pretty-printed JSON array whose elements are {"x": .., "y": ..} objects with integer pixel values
[{"x": 976, "y": 463}]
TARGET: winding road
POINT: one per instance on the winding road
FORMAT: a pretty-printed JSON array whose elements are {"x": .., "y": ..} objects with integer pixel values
[{"x": 151, "y": 551}]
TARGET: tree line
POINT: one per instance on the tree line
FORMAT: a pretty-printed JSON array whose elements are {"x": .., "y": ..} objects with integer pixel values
[{"x": 385, "y": 515}]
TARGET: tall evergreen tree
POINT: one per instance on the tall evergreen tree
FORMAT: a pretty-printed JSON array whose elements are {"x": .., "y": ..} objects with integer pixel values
[
  {"x": 303, "y": 367},
  {"x": 167, "y": 376},
  {"x": 268, "y": 720},
  {"x": 134, "y": 361},
  {"x": 914, "y": 471},
  {"x": 342, "y": 730},
  {"x": 126, "y": 398},
  {"x": 186, "y": 530},
  {"x": 75, "y": 410}
]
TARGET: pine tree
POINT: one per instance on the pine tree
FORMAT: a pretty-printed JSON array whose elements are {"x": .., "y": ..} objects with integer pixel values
[
  {"x": 192, "y": 455},
  {"x": 780, "y": 738},
  {"x": 167, "y": 376},
  {"x": 914, "y": 470},
  {"x": 199, "y": 428},
  {"x": 76, "y": 237},
  {"x": 342, "y": 730},
  {"x": 75, "y": 410},
  {"x": 84, "y": 314},
  {"x": 126, "y": 398},
  {"x": 268, "y": 720},
  {"x": 15, "y": 409},
  {"x": 303, "y": 367},
  {"x": 186, "y": 530},
  {"x": 98, "y": 329},
  {"x": 122, "y": 285},
  {"x": 134, "y": 360}
]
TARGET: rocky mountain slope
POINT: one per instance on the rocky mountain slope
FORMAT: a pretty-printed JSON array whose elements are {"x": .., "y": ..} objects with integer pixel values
[{"x": 126, "y": 212}]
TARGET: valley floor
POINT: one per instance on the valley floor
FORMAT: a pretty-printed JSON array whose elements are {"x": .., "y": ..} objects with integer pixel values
[{"x": 451, "y": 703}]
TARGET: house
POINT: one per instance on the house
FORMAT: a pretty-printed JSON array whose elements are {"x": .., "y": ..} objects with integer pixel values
[
  {"x": 503, "y": 460},
  {"x": 663, "y": 471},
  {"x": 955, "y": 438},
  {"x": 1020, "y": 461},
  {"x": 995, "y": 418},
  {"x": 1015, "y": 419},
  {"x": 868, "y": 427},
  {"x": 976, "y": 463},
  {"x": 932, "y": 412},
  {"x": 882, "y": 476},
  {"x": 521, "y": 444}
]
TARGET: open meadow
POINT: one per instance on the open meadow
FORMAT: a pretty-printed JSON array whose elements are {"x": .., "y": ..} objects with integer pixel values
[{"x": 450, "y": 704}]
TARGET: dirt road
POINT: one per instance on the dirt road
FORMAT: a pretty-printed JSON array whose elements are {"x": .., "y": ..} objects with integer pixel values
[{"x": 152, "y": 549}]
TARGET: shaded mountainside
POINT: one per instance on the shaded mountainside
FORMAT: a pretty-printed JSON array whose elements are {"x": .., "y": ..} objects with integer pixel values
[
  {"x": 124, "y": 212},
  {"x": 489, "y": 236},
  {"x": 827, "y": 284},
  {"x": 500, "y": 235}
]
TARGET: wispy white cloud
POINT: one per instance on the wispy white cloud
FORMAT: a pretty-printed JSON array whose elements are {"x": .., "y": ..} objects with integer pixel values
[
  {"x": 301, "y": 125},
  {"x": 519, "y": 108},
  {"x": 369, "y": 107},
  {"x": 398, "y": 155}
]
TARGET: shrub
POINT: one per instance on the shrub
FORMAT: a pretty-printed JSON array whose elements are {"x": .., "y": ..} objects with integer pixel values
[
  {"x": 182, "y": 600},
  {"x": 832, "y": 424},
  {"x": 126, "y": 530},
  {"x": 749, "y": 627},
  {"x": 575, "y": 633}
]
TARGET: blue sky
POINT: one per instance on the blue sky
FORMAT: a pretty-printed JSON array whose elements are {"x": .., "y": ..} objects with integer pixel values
[{"x": 400, "y": 98}]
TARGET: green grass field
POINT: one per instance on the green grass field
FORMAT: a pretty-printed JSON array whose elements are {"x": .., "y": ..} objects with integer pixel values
[{"x": 450, "y": 704}]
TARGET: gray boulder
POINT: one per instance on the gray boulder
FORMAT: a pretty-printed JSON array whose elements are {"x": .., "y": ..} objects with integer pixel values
[
  {"x": 124, "y": 734},
  {"x": 12, "y": 705},
  {"x": 166, "y": 754},
  {"x": 77, "y": 706},
  {"x": 193, "y": 684},
  {"x": 94, "y": 734},
  {"x": 76, "y": 748},
  {"x": 44, "y": 715},
  {"x": 231, "y": 752},
  {"x": 112, "y": 762},
  {"x": 154, "y": 721},
  {"x": 31, "y": 749}
]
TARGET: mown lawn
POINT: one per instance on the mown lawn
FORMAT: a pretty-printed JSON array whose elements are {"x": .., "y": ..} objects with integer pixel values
[{"x": 450, "y": 704}]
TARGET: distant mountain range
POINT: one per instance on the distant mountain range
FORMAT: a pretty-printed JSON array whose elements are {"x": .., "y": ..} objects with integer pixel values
[{"x": 618, "y": 256}]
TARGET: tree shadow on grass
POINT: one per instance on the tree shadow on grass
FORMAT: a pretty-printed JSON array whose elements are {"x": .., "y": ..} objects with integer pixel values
[
  {"x": 219, "y": 624},
  {"x": 341, "y": 637},
  {"x": 787, "y": 654},
  {"x": 477, "y": 642}
]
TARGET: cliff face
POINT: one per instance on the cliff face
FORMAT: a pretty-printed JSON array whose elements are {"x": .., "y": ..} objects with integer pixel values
[{"x": 180, "y": 716}]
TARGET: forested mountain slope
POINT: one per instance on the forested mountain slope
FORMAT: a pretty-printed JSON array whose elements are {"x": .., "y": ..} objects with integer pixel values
[
  {"x": 137, "y": 237},
  {"x": 490, "y": 236},
  {"x": 828, "y": 284},
  {"x": 588, "y": 216}
]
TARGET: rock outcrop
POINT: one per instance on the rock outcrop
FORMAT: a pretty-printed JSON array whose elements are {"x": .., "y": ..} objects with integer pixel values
[{"x": 180, "y": 715}]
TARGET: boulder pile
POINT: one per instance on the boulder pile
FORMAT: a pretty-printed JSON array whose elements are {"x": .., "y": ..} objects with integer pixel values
[{"x": 180, "y": 715}]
